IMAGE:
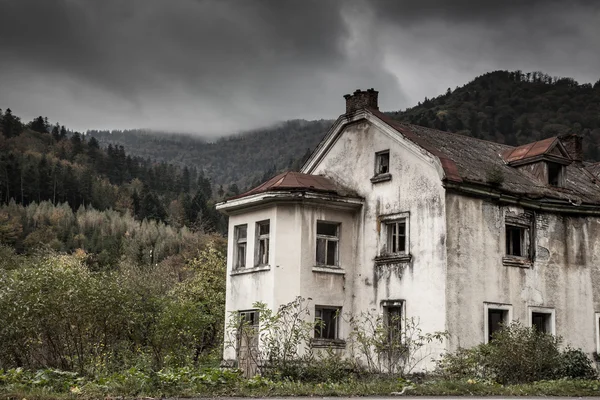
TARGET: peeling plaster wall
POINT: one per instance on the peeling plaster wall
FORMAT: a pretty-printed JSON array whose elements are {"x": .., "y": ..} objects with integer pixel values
[
  {"x": 415, "y": 188},
  {"x": 565, "y": 273},
  {"x": 246, "y": 289}
]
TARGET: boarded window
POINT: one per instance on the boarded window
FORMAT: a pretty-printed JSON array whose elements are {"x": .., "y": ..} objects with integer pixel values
[
  {"x": 241, "y": 234},
  {"x": 327, "y": 322},
  {"x": 262, "y": 242},
  {"x": 382, "y": 162},
  {"x": 327, "y": 243}
]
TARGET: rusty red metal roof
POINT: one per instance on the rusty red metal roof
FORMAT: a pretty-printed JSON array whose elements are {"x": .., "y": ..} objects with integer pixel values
[
  {"x": 529, "y": 150},
  {"x": 294, "y": 181}
]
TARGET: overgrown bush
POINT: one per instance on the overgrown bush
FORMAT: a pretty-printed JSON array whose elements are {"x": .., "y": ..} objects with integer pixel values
[
  {"x": 59, "y": 314},
  {"x": 517, "y": 354}
]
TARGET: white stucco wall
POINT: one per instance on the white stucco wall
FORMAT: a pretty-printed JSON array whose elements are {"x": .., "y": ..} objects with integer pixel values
[
  {"x": 565, "y": 275},
  {"x": 415, "y": 188}
]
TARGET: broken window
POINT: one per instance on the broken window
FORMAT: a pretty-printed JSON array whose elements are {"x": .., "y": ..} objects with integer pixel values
[
  {"x": 392, "y": 314},
  {"x": 262, "y": 242},
  {"x": 241, "y": 233},
  {"x": 517, "y": 241},
  {"x": 542, "y": 321},
  {"x": 382, "y": 162},
  {"x": 327, "y": 322},
  {"x": 396, "y": 236},
  {"x": 249, "y": 318},
  {"x": 555, "y": 172},
  {"x": 327, "y": 243},
  {"x": 497, "y": 318}
]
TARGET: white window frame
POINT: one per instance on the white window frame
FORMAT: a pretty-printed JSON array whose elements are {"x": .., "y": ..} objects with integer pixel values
[
  {"x": 260, "y": 238},
  {"x": 387, "y": 221},
  {"x": 543, "y": 310},
  {"x": 327, "y": 239},
  {"x": 236, "y": 246},
  {"x": 379, "y": 156},
  {"x": 494, "y": 306}
]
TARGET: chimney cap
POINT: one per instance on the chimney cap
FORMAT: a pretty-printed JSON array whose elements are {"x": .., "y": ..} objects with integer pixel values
[{"x": 361, "y": 99}]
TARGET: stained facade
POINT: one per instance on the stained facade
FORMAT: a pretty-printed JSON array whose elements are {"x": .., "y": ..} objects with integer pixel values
[{"x": 391, "y": 218}]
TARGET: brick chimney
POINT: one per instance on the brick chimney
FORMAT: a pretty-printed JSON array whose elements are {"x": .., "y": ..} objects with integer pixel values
[
  {"x": 361, "y": 99},
  {"x": 574, "y": 145}
]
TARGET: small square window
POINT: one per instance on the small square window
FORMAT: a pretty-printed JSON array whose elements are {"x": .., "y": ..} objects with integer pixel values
[
  {"x": 382, "y": 162},
  {"x": 327, "y": 243},
  {"x": 262, "y": 243},
  {"x": 240, "y": 234},
  {"x": 249, "y": 318},
  {"x": 517, "y": 241},
  {"x": 542, "y": 319},
  {"x": 327, "y": 322}
]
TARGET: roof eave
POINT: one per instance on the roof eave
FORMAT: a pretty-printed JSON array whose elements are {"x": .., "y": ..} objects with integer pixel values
[
  {"x": 327, "y": 199},
  {"x": 541, "y": 204}
]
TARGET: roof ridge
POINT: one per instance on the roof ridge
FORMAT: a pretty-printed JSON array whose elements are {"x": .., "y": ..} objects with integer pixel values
[{"x": 443, "y": 132}]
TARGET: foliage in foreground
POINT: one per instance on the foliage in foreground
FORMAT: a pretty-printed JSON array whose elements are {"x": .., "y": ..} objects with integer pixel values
[
  {"x": 187, "y": 382},
  {"x": 518, "y": 354},
  {"x": 58, "y": 313}
]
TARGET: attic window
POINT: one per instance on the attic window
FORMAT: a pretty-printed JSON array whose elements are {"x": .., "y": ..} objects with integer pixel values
[
  {"x": 555, "y": 174},
  {"x": 382, "y": 167},
  {"x": 382, "y": 162}
]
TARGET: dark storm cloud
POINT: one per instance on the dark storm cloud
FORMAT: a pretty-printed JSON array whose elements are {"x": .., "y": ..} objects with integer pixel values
[{"x": 224, "y": 65}]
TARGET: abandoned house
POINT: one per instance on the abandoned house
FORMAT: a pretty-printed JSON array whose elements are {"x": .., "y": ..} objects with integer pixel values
[{"x": 462, "y": 233}]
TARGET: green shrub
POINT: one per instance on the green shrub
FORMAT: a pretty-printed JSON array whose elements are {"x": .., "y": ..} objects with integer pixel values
[
  {"x": 574, "y": 363},
  {"x": 517, "y": 354}
]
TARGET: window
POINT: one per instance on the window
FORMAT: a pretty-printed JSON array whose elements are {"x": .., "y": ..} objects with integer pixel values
[
  {"x": 327, "y": 322},
  {"x": 249, "y": 318},
  {"x": 382, "y": 162},
  {"x": 392, "y": 318},
  {"x": 516, "y": 239},
  {"x": 241, "y": 233},
  {"x": 262, "y": 242},
  {"x": 555, "y": 174},
  {"x": 396, "y": 236},
  {"x": 542, "y": 319},
  {"x": 496, "y": 316},
  {"x": 496, "y": 319},
  {"x": 541, "y": 322},
  {"x": 327, "y": 243}
]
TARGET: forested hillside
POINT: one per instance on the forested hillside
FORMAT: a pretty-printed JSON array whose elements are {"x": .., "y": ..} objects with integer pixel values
[
  {"x": 39, "y": 162},
  {"x": 501, "y": 106},
  {"x": 244, "y": 159},
  {"x": 515, "y": 108}
]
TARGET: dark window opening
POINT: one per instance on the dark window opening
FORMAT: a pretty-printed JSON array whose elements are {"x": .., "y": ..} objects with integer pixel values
[
  {"x": 515, "y": 241},
  {"x": 327, "y": 243},
  {"x": 393, "y": 323},
  {"x": 249, "y": 318},
  {"x": 554, "y": 173},
  {"x": 496, "y": 320},
  {"x": 382, "y": 162},
  {"x": 327, "y": 320},
  {"x": 542, "y": 322}
]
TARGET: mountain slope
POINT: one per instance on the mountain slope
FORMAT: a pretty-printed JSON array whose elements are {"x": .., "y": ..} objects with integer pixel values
[
  {"x": 501, "y": 106},
  {"x": 515, "y": 108}
]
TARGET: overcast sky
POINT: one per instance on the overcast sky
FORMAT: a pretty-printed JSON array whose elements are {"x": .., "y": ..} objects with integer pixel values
[{"x": 217, "y": 66}]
